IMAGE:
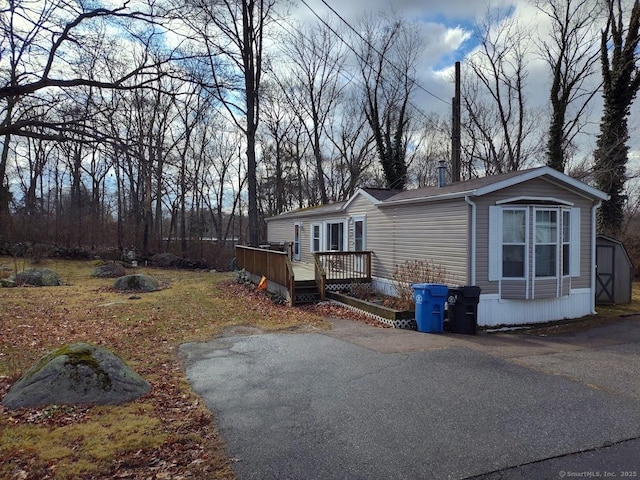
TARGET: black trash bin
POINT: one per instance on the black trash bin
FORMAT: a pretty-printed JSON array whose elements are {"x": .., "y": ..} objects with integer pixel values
[{"x": 462, "y": 305}]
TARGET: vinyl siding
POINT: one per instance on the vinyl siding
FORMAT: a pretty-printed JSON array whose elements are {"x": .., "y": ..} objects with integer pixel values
[
  {"x": 545, "y": 288},
  {"x": 513, "y": 289},
  {"x": 280, "y": 230},
  {"x": 534, "y": 188},
  {"x": 434, "y": 231},
  {"x": 377, "y": 240}
]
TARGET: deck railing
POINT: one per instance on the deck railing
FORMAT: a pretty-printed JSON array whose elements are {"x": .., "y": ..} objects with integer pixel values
[
  {"x": 273, "y": 265},
  {"x": 344, "y": 265},
  {"x": 321, "y": 277}
]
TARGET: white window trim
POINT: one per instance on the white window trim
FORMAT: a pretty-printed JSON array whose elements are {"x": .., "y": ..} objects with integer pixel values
[
  {"x": 345, "y": 234},
  {"x": 558, "y": 242},
  {"x": 552, "y": 201},
  {"x": 574, "y": 247},
  {"x": 312, "y": 238},
  {"x": 495, "y": 244},
  {"x": 363, "y": 219},
  {"x": 297, "y": 255}
]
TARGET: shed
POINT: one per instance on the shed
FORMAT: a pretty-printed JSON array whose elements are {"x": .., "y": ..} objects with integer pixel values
[{"x": 614, "y": 272}]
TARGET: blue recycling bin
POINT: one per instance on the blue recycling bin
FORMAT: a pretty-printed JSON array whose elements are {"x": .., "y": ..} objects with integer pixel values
[{"x": 430, "y": 299}]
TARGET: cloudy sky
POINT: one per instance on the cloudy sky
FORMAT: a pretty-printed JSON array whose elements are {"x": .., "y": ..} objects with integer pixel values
[{"x": 447, "y": 26}]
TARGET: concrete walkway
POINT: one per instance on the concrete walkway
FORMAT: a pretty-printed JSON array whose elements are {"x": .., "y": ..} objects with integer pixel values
[{"x": 358, "y": 402}]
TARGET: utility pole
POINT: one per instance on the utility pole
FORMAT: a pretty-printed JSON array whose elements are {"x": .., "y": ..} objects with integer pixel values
[{"x": 455, "y": 129}]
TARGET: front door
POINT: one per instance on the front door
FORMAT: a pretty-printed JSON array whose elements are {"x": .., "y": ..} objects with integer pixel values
[{"x": 296, "y": 241}]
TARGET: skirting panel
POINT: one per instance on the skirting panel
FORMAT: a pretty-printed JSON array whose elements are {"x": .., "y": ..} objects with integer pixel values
[
  {"x": 493, "y": 311},
  {"x": 409, "y": 323}
]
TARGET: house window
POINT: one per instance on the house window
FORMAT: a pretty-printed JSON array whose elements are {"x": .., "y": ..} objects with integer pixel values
[
  {"x": 513, "y": 243},
  {"x": 358, "y": 235},
  {"x": 335, "y": 236},
  {"x": 532, "y": 247},
  {"x": 297, "y": 227},
  {"x": 546, "y": 243},
  {"x": 316, "y": 240}
]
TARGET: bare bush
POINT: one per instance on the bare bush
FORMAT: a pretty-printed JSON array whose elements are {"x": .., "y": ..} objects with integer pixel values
[
  {"x": 415, "y": 271},
  {"x": 363, "y": 291}
]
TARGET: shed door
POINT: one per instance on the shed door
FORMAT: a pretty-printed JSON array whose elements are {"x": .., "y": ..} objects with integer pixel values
[{"x": 605, "y": 279}]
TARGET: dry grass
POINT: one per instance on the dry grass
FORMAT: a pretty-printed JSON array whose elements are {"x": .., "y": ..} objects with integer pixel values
[
  {"x": 166, "y": 434},
  {"x": 607, "y": 314}
]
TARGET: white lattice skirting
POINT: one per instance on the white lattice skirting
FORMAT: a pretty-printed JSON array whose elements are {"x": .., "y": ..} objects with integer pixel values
[{"x": 409, "y": 323}]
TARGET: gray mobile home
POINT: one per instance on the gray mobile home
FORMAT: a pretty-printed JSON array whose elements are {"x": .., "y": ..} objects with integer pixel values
[{"x": 526, "y": 238}]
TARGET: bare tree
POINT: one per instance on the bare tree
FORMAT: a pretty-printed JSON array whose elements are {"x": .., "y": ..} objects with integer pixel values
[
  {"x": 388, "y": 53},
  {"x": 40, "y": 42},
  {"x": 571, "y": 53},
  {"x": 315, "y": 84},
  {"x": 499, "y": 126},
  {"x": 277, "y": 123},
  {"x": 233, "y": 33},
  {"x": 353, "y": 140}
]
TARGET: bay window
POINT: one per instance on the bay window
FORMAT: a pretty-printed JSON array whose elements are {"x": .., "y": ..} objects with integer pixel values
[{"x": 534, "y": 249}]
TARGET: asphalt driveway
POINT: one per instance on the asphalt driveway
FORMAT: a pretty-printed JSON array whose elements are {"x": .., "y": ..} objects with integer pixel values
[{"x": 359, "y": 402}]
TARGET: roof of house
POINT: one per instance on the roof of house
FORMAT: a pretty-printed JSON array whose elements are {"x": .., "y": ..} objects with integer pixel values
[
  {"x": 492, "y": 183},
  {"x": 381, "y": 193},
  {"x": 311, "y": 211},
  {"x": 472, "y": 187}
]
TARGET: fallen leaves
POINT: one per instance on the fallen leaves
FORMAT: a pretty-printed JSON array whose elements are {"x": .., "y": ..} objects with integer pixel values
[{"x": 146, "y": 332}]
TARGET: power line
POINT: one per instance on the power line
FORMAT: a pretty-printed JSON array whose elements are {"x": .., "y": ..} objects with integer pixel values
[
  {"x": 368, "y": 45},
  {"x": 349, "y": 79}
]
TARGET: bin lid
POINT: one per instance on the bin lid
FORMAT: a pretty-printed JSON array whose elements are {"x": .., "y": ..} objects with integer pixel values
[
  {"x": 427, "y": 285},
  {"x": 434, "y": 289},
  {"x": 469, "y": 291}
]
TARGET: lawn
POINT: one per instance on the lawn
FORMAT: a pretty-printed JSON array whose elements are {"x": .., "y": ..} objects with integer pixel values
[
  {"x": 606, "y": 315},
  {"x": 168, "y": 433}
]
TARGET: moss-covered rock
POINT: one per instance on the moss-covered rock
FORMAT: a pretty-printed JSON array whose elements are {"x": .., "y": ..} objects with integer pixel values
[
  {"x": 110, "y": 270},
  {"x": 75, "y": 374},
  {"x": 137, "y": 283},
  {"x": 166, "y": 260},
  {"x": 38, "y": 277}
]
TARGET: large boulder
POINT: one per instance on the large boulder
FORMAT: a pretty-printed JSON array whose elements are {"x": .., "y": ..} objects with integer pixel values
[
  {"x": 39, "y": 277},
  {"x": 76, "y": 374},
  {"x": 166, "y": 260},
  {"x": 110, "y": 270},
  {"x": 137, "y": 283}
]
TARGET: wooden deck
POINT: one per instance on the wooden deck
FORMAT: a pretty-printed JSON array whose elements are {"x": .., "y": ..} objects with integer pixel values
[
  {"x": 305, "y": 282},
  {"x": 303, "y": 271}
]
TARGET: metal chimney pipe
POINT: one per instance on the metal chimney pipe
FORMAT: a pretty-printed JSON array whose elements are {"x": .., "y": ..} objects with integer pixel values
[{"x": 442, "y": 173}]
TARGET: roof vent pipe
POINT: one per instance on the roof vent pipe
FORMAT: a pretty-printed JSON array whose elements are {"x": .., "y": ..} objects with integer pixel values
[{"x": 442, "y": 173}]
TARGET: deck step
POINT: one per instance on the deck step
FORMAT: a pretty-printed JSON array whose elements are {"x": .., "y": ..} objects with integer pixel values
[{"x": 306, "y": 292}]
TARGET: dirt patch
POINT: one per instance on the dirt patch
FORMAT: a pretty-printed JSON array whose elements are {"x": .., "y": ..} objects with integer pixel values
[{"x": 576, "y": 325}]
